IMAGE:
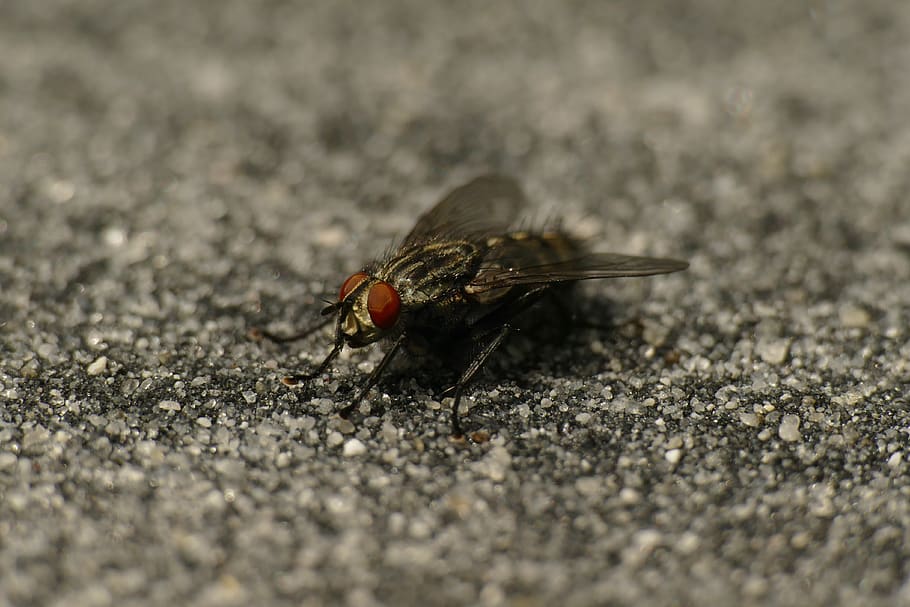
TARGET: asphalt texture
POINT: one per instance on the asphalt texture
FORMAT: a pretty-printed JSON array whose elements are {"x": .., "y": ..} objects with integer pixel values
[{"x": 173, "y": 175}]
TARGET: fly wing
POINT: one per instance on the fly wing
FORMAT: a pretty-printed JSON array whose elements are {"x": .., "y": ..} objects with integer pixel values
[
  {"x": 585, "y": 267},
  {"x": 486, "y": 205}
]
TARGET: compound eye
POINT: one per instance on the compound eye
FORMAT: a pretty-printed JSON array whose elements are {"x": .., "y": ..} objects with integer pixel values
[
  {"x": 350, "y": 284},
  {"x": 383, "y": 304}
]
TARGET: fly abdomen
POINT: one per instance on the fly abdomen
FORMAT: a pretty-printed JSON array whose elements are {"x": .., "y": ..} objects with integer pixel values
[
  {"x": 518, "y": 250},
  {"x": 526, "y": 249}
]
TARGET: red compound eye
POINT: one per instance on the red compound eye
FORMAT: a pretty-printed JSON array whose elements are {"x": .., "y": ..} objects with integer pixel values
[
  {"x": 383, "y": 304},
  {"x": 350, "y": 284}
]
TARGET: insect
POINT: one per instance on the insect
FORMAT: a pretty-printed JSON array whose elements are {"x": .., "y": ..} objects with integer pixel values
[{"x": 461, "y": 277}]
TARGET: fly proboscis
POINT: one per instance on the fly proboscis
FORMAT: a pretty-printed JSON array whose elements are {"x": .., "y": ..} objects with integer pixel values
[{"x": 461, "y": 277}]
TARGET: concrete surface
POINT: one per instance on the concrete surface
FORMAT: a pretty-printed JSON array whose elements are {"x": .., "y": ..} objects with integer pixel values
[{"x": 173, "y": 174}]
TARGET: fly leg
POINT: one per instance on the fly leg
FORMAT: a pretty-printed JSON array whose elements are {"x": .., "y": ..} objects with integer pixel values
[
  {"x": 471, "y": 371},
  {"x": 259, "y": 334},
  {"x": 374, "y": 376},
  {"x": 293, "y": 380},
  {"x": 498, "y": 325}
]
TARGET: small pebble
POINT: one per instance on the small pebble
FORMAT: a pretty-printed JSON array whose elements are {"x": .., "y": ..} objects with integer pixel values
[
  {"x": 789, "y": 428},
  {"x": 583, "y": 418},
  {"x": 353, "y": 448},
  {"x": 7, "y": 460},
  {"x": 34, "y": 437},
  {"x": 773, "y": 352},
  {"x": 688, "y": 543},
  {"x": 853, "y": 317},
  {"x": 169, "y": 405},
  {"x": 750, "y": 419},
  {"x": 627, "y": 495},
  {"x": 98, "y": 366},
  {"x": 334, "y": 439}
]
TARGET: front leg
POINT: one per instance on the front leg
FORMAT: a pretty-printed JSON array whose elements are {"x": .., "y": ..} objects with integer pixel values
[
  {"x": 260, "y": 334},
  {"x": 374, "y": 376}
]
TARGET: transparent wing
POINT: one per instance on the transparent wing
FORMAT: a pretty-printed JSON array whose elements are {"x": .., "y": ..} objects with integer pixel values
[
  {"x": 585, "y": 267},
  {"x": 486, "y": 205}
]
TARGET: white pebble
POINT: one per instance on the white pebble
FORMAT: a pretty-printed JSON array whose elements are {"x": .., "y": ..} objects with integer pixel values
[
  {"x": 789, "y": 428},
  {"x": 773, "y": 352},
  {"x": 583, "y": 418},
  {"x": 7, "y": 460},
  {"x": 688, "y": 543},
  {"x": 589, "y": 485},
  {"x": 334, "y": 439},
  {"x": 750, "y": 419},
  {"x": 98, "y": 366},
  {"x": 169, "y": 405},
  {"x": 854, "y": 317},
  {"x": 353, "y": 448},
  {"x": 627, "y": 495}
]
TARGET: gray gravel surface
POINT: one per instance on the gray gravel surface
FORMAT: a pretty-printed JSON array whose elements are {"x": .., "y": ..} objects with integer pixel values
[{"x": 173, "y": 174}]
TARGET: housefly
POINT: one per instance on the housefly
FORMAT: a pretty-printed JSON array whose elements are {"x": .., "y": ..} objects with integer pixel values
[{"x": 461, "y": 277}]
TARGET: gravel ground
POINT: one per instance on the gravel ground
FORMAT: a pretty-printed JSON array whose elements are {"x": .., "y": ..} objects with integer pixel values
[{"x": 173, "y": 174}]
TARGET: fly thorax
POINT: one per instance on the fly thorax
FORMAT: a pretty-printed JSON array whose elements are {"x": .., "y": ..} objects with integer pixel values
[{"x": 427, "y": 272}]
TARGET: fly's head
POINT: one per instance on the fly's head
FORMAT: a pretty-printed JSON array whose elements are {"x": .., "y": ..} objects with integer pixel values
[{"x": 368, "y": 309}]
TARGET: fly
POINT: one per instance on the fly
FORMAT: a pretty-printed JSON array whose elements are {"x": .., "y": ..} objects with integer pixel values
[{"x": 461, "y": 276}]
